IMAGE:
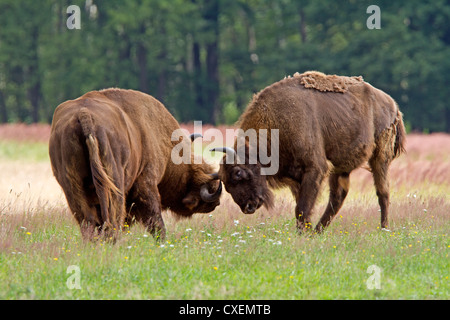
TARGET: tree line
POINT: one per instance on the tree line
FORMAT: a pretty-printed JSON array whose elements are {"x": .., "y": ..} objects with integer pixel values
[{"x": 204, "y": 59}]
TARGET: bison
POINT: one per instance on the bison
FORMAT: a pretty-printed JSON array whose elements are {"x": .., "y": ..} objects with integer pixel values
[
  {"x": 110, "y": 151},
  {"x": 327, "y": 125}
]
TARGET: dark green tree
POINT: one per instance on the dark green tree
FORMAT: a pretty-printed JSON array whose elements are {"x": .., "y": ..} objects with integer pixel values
[{"x": 198, "y": 56}]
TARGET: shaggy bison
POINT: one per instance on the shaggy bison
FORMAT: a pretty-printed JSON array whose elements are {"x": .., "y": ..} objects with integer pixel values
[
  {"x": 327, "y": 125},
  {"x": 110, "y": 151}
]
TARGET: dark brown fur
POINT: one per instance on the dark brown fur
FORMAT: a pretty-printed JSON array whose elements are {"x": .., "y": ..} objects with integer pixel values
[
  {"x": 321, "y": 132},
  {"x": 110, "y": 151}
]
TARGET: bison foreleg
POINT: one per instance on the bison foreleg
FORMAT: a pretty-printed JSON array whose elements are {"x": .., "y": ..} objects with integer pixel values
[
  {"x": 155, "y": 226},
  {"x": 150, "y": 216},
  {"x": 339, "y": 185},
  {"x": 306, "y": 196},
  {"x": 146, "y": 208}
]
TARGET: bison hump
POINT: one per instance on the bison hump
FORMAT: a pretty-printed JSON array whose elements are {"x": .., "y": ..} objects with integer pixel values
[{"x": 323, "y": 82}]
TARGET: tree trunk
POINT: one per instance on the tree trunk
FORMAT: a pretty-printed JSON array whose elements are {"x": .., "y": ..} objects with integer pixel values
[
  {"x": 212, "y": 59},
  {"x": 162, "y": 76},
  {"x": 16, "y": 76},
  {"x": 197, "y": 64},
  {"x": 212, "y": 85},
  {"x": 447, "y": 119},
  {"x": 34, "y": 91},
  {"x": 34, "y": 95},
  {"x": 3, "y": 111},
  {"x": 142, "y": 64},
  {"x": 302, "y": 25}
]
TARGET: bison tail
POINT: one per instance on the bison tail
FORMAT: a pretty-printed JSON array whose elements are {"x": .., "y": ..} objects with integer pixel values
[
  {"x": 105, "y": 188},
  {"x": 400, "y": 137}
]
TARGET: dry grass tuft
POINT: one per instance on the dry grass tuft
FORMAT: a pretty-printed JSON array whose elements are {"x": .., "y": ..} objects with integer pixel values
[
  {"x": 226, "y": 254},
  {"x": 422, "y": 173}
]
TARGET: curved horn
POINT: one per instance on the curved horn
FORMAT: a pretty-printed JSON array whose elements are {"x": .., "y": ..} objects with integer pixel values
[
  {"x": 230, "y": 152},
  {"x": 195, "y": 136},
  {"x": 227, "y": 150},
  {"x": 210, "y": 197}
]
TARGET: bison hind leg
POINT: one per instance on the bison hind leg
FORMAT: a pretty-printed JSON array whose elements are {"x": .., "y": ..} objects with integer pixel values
[
  {"x": 87, "y": 216},
  {"x": 92, "y": 227},
  {"x": 89, "y": 231},
  {"x": 380, "y": 177}
]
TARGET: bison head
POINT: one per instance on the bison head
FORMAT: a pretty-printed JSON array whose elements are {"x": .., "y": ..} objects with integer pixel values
[
  {"x": 204, "y": 193},
  {"x": 244, "y": 182},
  {"x": 204, "y": 188}
]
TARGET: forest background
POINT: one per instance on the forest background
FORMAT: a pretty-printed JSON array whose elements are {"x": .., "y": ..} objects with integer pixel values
[{"x": 204, "y": 59}]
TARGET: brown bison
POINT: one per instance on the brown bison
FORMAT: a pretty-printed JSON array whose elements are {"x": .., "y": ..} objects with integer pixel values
[
  {"x": 110, "y": 151},
  {"x": 327, "y": 125}
]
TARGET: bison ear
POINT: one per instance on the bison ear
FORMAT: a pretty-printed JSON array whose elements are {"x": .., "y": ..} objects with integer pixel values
[{"x": 190, "y": 201}]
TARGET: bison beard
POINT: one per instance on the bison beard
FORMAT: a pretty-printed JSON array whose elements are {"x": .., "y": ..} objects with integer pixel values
[
  {"x": 110, "y": 152},
  {"x": 328, "y": 126}
]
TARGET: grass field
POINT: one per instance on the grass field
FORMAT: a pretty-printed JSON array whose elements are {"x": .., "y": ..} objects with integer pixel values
[{"x": 226, "y": 254}]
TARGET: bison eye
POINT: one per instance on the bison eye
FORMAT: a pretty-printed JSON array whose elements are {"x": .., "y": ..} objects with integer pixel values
[{"x": 239, "y": 174}]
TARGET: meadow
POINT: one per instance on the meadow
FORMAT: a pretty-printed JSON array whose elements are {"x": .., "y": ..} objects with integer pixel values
[{"x": 226, "y": 254}]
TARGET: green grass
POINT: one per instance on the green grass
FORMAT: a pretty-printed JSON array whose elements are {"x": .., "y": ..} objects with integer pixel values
[
  {"x": 23, "y": 151},
  {"x": 228, "y": 255},
  {"x": 201, "y": 259}
]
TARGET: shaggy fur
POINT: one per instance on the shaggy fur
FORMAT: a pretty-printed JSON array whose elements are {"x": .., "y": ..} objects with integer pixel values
[
  {"x": 328, "y": 126},
  {"x": 322, "y": 82},
  {"x": 110, "y": 151}
]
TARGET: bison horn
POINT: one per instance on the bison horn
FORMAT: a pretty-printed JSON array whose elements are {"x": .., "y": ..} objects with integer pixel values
[
  {"x": 195, "y": 136},
  {"x": 226, "y": 150},
  {"x": 231, "y": 153},
  {"x": 210, "y": 197}
]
